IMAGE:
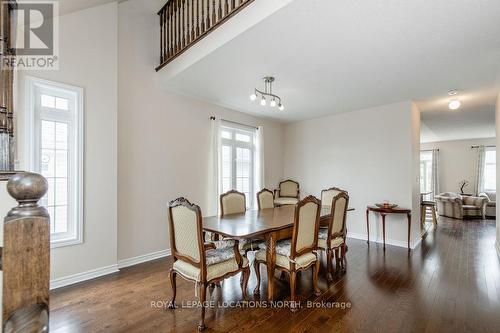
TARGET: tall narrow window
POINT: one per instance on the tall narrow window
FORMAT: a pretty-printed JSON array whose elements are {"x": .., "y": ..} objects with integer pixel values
[
  {"x": 426, "y": 185},
  {"x": 490, "y": 163},
  {"x": 237, "y": 154},
  {"x": 55, "y": 138}
]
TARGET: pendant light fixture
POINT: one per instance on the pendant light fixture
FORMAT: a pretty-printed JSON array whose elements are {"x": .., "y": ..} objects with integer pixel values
[{"x": 275, "y": 100}]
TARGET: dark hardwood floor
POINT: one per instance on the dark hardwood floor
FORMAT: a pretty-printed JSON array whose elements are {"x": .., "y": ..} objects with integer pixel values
[{"x": 449, "y": 283}]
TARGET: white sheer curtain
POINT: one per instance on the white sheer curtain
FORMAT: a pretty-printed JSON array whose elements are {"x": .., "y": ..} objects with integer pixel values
[
  {"x": 435, "y": 173},
  {"x": 214, "y": 167},
  {"x": 259, "y": 176},
  {"x": 480, "y": 170}
]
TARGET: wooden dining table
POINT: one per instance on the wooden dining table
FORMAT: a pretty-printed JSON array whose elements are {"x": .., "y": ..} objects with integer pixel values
[{"x": 270, "y": 225}]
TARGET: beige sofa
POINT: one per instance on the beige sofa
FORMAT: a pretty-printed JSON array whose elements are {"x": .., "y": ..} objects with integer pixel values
[
  {"x": 454, "y": 205},
  {"x": 491, "y": 203}
]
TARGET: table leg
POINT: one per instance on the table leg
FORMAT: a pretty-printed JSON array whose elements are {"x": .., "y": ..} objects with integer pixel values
[
  {"x": 368, "y": 226},
  {"x": 270, "y": 263},
  {"x": 383, "y": 228},
  {"x": 409, "y": 230}
]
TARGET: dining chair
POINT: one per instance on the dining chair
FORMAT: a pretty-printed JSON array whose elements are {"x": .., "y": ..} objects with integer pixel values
[
  {"x": 333, "y": 239},
  {"x": 298, "y": 253},
  {"x": 265, "y": 199},
  {"x": 287, "y": 193},
  {"x": 232, "y": 202},
  {"x": 328, "y": 194},
  {"x": 196, "y": 261}
]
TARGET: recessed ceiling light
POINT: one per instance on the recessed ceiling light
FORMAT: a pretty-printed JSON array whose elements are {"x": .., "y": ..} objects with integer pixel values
[
  {"x": 452, "y": 92},
  {"x": 454, "y": 104}
]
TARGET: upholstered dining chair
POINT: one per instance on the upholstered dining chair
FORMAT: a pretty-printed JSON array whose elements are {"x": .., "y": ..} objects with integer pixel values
[
  {"x": 328, "y": 195},
  {"x": 287, "y": 193},
  {"x": 196, "y": 261},
  {"x": 265, "y": 199},
  {"x": 234, "y": 202},
  {"x": 299, "y": 252},
  {"x": 332, "y": 239}
]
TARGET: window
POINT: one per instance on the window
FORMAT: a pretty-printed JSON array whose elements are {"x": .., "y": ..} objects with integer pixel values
[
  {"x": 237, "y": 154},
  {"x": 55, "y": 149},
  {"x": 426, "y": 185},
  {"x": 490, "y": 159}
]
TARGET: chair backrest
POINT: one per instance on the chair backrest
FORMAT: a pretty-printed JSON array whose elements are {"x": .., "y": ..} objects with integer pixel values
[
  {"x": 289, "y": 188},
  {"x": 186, "y": 236},
  {"x": 306, "y": 225},
  {"x": 232, "y": 202},
  {"x": 328, "y": 195},
  {"x": 265, "y": 199},
  {"x": 337, "y": 224}
]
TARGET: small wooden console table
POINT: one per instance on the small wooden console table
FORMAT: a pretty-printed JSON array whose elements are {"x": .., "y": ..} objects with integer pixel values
[{"x": 383, "y": 212}]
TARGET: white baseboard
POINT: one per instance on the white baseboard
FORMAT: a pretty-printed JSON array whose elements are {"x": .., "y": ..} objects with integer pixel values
[
  {"x": 84, "y": 276},
  {"x": 388, "y": 241},
  {"x": 98, "y": 272},
  {"x": 144, "y": 258}
]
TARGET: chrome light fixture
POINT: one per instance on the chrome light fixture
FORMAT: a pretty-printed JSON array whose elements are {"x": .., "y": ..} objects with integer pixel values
[
  {"x": 275, "y": 100},
  {"x": 454, "y": 103}
]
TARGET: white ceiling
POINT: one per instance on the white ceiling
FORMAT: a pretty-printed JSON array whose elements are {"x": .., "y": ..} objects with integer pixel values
[
  {"x": 70, "y": 6},
  {"x": 332, "y": 56}
]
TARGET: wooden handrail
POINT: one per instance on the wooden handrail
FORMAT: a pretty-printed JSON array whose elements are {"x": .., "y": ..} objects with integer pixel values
[
  {"x": 185, "y": 22},
  {"x": 25, "y": 257}
]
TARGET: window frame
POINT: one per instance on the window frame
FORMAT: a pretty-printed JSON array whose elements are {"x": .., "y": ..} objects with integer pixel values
[
  {"x": 75, "y": 119},
  {"x": 235, "y": 129},
  {"x": 428, "y": 171},
  {"x": 486, "y": 149}
]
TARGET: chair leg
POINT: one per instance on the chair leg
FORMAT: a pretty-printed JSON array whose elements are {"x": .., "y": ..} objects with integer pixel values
[
  {"x": 244, "y": 283},
  {"x": 422, "y": 215},
  {"x": 203, "y": 298},
  {"x": 315, "y": 269},
  {"x": 293, "y": 280},
  {"x": 329, "y": 268},
  {"x": 337, "y": 259},
  {"x": 343, "y": 250},
  {"x": 173, "y": 282},
  {"x": 256, "y": 268},
  {"x": 434, "y": 216}
]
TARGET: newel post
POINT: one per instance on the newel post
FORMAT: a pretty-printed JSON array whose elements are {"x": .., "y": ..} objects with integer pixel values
[{"x": 26, "y": 254}]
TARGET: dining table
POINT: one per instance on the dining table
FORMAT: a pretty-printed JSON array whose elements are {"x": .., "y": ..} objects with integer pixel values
[{"x": 271, "y": 225}]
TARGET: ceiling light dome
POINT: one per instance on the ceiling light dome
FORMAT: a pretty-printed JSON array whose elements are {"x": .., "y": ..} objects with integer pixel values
[{"x": 454, "y": 104}]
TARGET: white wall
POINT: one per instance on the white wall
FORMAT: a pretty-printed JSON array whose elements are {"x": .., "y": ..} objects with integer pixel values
[
  {"x": 163, "y": 139},
  {"x": 457, "y": 161},
  {"x": 88, "y": 58},
  {"x": 497, "y": 120},
  {"x": 372, "y": 153}
]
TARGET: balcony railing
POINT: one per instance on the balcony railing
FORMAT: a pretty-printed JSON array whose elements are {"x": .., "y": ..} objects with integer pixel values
[{"x": 185, "y": 22}]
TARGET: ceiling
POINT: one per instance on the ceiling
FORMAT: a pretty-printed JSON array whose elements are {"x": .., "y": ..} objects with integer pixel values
[
  {"x": 337, "y": 56},
  {"x": 70, "y": 6}
]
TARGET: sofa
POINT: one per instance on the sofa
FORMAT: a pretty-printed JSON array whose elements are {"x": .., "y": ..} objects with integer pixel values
[
  {"x": 456, "y": 206},
  {"x": 491, "y": 203}
]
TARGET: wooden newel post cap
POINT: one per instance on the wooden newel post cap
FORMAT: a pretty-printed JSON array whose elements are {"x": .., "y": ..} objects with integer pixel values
[{"x": 27, "y": 188}]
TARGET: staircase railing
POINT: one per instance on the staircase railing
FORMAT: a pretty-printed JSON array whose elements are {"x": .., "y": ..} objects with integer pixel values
[
  {"x": 25, "y": 256},
  {"x": 185, "y": 22}
]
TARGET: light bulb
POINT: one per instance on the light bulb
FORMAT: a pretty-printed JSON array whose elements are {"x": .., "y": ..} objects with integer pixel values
[
  {"x": 263, "y": 101},
  {"x": 454, "y": 104},
  {"x": 281, "y": 107},
  {"x": 253, "y": 97},
  {"x": 273, "y": 103}
]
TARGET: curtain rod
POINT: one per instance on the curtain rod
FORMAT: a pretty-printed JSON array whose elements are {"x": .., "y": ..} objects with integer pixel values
[
  {"x": 429, "y": 149},
  {"x": 490, "y": 146},
  {"x": 234, "y": 122}
]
